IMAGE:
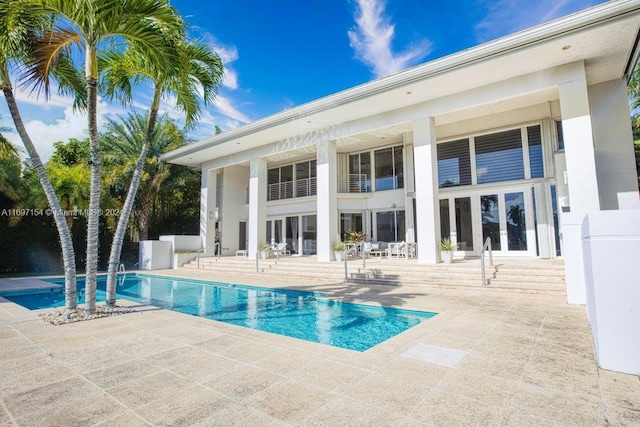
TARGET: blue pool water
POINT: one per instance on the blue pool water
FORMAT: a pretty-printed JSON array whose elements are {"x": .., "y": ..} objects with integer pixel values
[{"x": 304, "y": 315}]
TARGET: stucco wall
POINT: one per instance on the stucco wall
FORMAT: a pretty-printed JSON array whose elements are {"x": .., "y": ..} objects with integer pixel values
[
  {"x": 234, "y": 191},
  {"x": 615, "y": 162}
]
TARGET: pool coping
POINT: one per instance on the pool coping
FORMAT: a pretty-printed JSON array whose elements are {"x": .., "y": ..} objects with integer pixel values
[{"x": 529, "y": 361}]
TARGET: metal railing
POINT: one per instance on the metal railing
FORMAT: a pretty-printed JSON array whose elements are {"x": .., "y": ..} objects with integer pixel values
[
  {"x": 124, "y": 273},
  {"x": 353, "y": 183},
  {"x": 354, "y": 250},
  {"x": 486, "y": 248},
  {"x": 217, "y": 248},
  {"x": 290, "y": 189},
  {"x": 306, "y": 187}
]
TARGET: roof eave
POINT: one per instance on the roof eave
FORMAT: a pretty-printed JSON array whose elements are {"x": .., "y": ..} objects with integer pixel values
[{"x": 523, "y": 39}]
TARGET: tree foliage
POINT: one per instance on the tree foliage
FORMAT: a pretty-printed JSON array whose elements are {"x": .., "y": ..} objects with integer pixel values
[
  {"x": 26, "y": 242},
  {"x": 634, "y": 104}
]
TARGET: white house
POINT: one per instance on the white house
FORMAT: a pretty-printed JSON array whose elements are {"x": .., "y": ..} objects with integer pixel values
[
  {"x": 496, "y": 141},
  {"x": 516, "y": 140}
]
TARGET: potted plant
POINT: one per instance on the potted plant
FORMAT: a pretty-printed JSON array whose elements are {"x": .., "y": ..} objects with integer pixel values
[
  {"x": 264, "y": 249},
  {"x": 338, "y": 249},
  {"x": 351, "y": 236},
  {"x": 446, "y": 248}
]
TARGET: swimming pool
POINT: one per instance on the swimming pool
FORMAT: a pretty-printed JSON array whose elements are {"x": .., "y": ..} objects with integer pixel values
[{"x": 304, "y": 315}]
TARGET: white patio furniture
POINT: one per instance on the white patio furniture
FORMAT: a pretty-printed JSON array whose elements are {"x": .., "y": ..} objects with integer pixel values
[
  {"x": 279, "y": 248},
  {"x": 401, "y": 250}
]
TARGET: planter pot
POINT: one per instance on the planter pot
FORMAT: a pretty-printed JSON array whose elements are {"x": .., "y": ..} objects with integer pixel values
[
  {"x": 263, "y": 254},
  {"x": 447, "y": 257},
  {"x": 339, "y": 255}
]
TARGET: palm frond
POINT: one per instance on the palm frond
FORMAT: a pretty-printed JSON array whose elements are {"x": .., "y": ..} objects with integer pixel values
[{"x": 50, "y": 55}]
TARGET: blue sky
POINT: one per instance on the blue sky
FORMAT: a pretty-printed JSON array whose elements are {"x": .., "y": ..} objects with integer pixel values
[{"x": 282, "y": 53}]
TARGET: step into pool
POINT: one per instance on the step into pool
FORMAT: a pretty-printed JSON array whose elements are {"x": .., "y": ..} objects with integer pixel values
[{"x": 304, "y": 315}]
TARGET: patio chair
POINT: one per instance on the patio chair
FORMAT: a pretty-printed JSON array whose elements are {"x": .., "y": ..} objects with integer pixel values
[
  {"x": 395, "y": 249},
  {"x": 367, "y": 247},
  {"x": 279, "y": 248},
  {"x": 402, "y": 250},
  {"x": 379, "y": 249}
]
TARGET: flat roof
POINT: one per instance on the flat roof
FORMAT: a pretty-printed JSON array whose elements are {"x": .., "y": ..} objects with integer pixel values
[{"x": 605, "y": 37}]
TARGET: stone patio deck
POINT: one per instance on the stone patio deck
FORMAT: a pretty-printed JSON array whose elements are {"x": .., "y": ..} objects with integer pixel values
[{"x": 520, "y": 359}]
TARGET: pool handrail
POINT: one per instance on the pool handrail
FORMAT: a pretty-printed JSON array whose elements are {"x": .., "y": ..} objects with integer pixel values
[
  {"x": 486, "y": 248},
  {"x": 216, "y": 245}
]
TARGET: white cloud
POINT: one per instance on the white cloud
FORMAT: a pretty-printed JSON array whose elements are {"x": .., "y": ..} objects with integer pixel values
[
  {"x": 372, "y": 37},
  {"x": 223, "y": 104},
  {"x": 43, "y": 135},
  {"x": 33, "y": 98},
  {"x": 228, "y": 55},
  {"x": 224, "y": 114}
]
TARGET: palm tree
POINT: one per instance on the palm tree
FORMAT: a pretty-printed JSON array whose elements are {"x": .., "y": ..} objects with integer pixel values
[
  {"x": 17, "y": 34},
  {"x": 198, "y": 68},
  {"x": 95, "y": 27},
  {"x": 123, "y": 141},
  {"x": 10, "y": 182}
]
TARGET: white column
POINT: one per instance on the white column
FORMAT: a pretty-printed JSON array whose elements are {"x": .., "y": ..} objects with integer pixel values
[
  {"x": 257, "y": 227},
  {"x": 409, "y": 186},
  {"x": 426, "y": 183},
  {"x": 582, "y": 180},
  {"x": 615, "y": 161},
  {"x": 208, "y": 183},
  {"x": 327, "y": 199},
  {"x": 579, "y": 146}
]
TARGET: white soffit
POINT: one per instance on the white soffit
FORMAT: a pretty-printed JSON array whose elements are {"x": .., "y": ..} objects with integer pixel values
[{"x": 603, "y": 36}]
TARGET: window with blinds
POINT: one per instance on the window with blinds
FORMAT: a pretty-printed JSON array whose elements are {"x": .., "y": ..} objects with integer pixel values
[
  {"x": 536, "y": 163},
  {"x": 454, "y": 164},
  {"x": 560, "y": 134},
  {"x": 389, "y": 169},
  {"x": 499, "y": 157}
]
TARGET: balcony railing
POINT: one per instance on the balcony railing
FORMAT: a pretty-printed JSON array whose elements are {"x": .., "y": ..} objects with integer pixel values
[
  {"x": 353, "y": 183},
  {"x": 290, "y": 189}
]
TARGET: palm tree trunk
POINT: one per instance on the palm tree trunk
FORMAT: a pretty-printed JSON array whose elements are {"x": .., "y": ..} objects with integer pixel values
[
  {"x": 93, "y": 222},
  {"x": 66, "y": 242},
  {"x": 143, "y": 222},
  {"x": 118, "y": 238}
]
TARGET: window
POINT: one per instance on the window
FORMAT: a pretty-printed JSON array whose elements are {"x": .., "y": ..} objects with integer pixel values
[
  {"x": 445, "y": 225},
  {"x": 390, "y": 226},
  {"x": 309, "y": 228},
  {"x": 536, "y": 163},
  {"x": 560, "y": 134},
  {"x": 454, "y": 164},
  {"x": 283, "y": 184},
  {"x": 350, "y": 222},
  {"x": 268, "y": 232},
  {"x": 499, "y": 157},
  {"x": 389, "y": 169},
  {"x": 360, "y": 168},
  {"x": 280, "y": 183},
  {"x": 306, "y": 179}
]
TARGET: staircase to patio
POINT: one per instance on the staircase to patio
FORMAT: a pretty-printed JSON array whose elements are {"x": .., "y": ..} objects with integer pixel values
[{"x": 508, "y": 274}]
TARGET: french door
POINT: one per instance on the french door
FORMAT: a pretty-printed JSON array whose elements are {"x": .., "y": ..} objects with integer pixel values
[
  {"x": 457, "y": 220},
  {"x": 504, "y": 215}
]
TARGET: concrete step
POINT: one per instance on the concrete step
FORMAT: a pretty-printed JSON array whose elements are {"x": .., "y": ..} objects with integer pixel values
[
  {"x": 529, "y": 278},
  {"x": 546, "y": 278}
]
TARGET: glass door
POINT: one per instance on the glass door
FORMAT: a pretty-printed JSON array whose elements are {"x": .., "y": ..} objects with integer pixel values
[
  {"x": 507, "y": 218},
  {"x": 456, "y": 222}
]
